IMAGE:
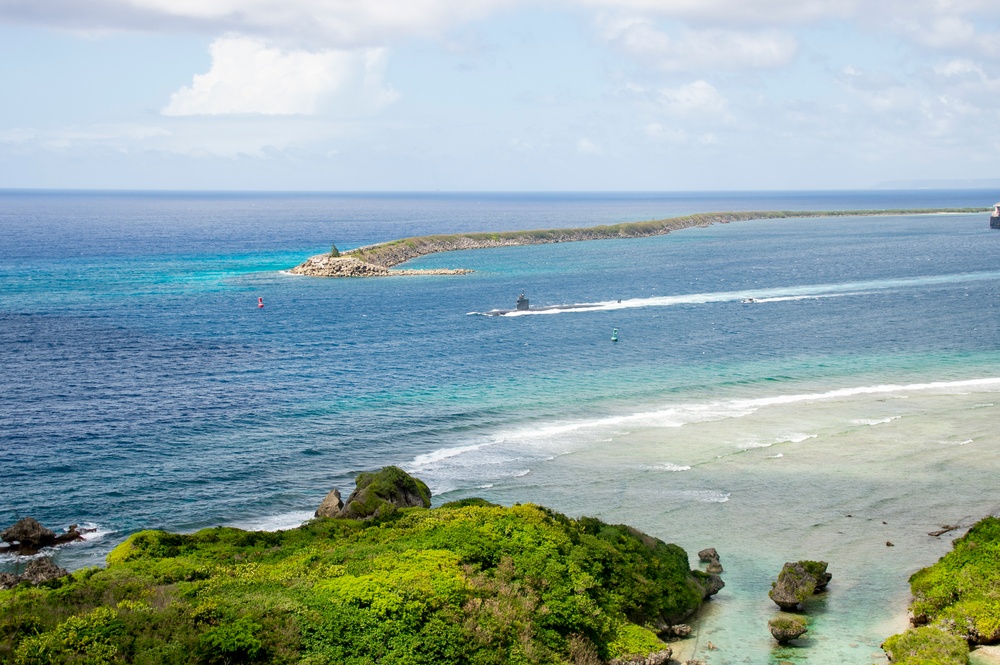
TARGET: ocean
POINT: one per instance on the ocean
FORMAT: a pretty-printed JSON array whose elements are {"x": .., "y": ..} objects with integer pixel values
[{"x": 852, "y": 405}]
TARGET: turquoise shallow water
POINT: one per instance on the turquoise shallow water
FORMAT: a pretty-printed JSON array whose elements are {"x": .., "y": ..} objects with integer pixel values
[{"x": 144, "y": 388}]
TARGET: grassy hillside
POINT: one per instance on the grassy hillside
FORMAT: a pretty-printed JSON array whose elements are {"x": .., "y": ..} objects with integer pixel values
[{"x": 463, "y": 583}]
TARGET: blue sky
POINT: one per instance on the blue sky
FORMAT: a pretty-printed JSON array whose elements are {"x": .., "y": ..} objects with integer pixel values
[{"x": 346, "y": 95}]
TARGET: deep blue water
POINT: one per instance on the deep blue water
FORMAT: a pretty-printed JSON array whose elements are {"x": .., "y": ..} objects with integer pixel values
[{"x": 142, "y": 387}]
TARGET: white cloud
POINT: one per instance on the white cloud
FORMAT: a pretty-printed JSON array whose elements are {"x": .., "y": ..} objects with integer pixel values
[
  {"x": 249, "y": 76},
  {"x": 587, "y": 147},
  {"x": 310, "y": 24},
  {"x": 659, "y": 132},
  {"x": 699, "y": 49},
  {"x": 697, "y": 100}
]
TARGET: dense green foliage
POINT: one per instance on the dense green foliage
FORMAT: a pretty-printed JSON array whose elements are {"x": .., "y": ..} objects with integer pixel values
[
  {"x": 963, "y": 588},
  {"x": 334, "y": 252},
  {"x": 395, "y": 252},
  {"x": 927, "y": 645},
  {"x": 466, "y": 583}
]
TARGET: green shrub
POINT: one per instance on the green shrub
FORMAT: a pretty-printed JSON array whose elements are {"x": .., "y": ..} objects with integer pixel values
[
  {"x": 230, "y": 643},
  {"x": 927, "y": 645},
  {"x": 631, "y": 640},
  {"x": 962, "y": 587},
  {"x": 91, "y": 638}
]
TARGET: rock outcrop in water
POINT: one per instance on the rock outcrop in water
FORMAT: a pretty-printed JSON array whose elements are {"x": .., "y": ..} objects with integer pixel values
[
  {"x": 28, "y": 536},
  {"x": 798, "y": 581},
  {"x": 786, "y": 628},
  {"x": 377, "y": 494},
  {"x": 711, "y": 557},
  {"x": 325, "y": 265}
]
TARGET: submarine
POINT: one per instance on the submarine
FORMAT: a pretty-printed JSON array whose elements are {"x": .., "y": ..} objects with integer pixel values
[{"x": 522, "y": 305}]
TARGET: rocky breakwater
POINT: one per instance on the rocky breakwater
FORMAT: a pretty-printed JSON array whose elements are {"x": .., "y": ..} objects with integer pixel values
[
  {"x": 376, "y": 260},
  {"x": 324, "y": 265}
]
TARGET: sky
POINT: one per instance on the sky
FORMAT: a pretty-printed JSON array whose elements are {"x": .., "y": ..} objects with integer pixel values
[{"x": 498, "y": 95}]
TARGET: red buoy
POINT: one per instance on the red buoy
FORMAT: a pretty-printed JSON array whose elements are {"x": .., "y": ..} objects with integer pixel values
[{"x": 260, "y": 302}]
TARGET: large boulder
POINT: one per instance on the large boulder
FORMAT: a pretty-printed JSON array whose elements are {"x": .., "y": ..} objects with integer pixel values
[
  {"x": 798, "y": 581},
  {"x": 38, "y": 571},
  {"x": 377, "y": 494},
  {"x": 786, "y": 627},
  {"x": 28, "y": 533},
  {"x": 42, "y": 570},
  {"x": 711, "y": 557},
  {"x": 710, "y": 584},
  {"x": 331, "y": 505}
]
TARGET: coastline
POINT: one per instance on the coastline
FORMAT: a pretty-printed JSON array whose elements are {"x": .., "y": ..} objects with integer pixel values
[{"x": 376, "y": 260}]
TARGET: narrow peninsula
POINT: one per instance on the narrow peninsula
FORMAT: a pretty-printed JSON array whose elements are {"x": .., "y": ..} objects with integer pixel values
[{"x": 376, "y": 260}]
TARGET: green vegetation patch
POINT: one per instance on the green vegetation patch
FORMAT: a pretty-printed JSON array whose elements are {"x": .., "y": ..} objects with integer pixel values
[
  {"x": 468, "y": 583},
  {"x": 963, "y": 588},
  {"x": 927, "y": 645}
]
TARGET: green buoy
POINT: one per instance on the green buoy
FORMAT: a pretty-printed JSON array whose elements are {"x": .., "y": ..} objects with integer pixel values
[{"x": 614, "y": 335}]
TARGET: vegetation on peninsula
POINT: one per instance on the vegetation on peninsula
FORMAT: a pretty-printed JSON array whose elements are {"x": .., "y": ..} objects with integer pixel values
[
  {"x": 394, "y": 252},
  {"x": 468, "y": 582}
]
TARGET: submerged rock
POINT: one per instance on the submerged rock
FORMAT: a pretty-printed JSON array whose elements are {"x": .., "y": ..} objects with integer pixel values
[
  {"x": 798, "y": 581},
  {"x": 377, "y": 494},
  {"x": 786, "y": 628}
]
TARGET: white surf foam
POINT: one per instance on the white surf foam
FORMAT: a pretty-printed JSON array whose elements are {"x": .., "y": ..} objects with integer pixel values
[
  {"x": 707, "y": 496},
  {"x": 777, "y": 456},
  {"x": 957, "y": 443},
  {"x": 491, "y": 459},
  {"x": 93, "y": 532},
  {"x": 433, "y": 457},
  {"x": 668, "y": 466},
  {"x": 280, "y": 522},
  {"x": 751, "y": 445},
  {"x": 871, "y": 422},
  {"x": 795, "y": 438}
]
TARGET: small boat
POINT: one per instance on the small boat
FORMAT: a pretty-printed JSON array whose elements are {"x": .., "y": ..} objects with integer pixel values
[{"x": 749, "y": 300}]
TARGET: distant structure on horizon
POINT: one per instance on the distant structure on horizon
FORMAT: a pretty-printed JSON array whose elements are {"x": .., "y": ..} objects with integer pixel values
[{"x": 995, "y": 217}]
